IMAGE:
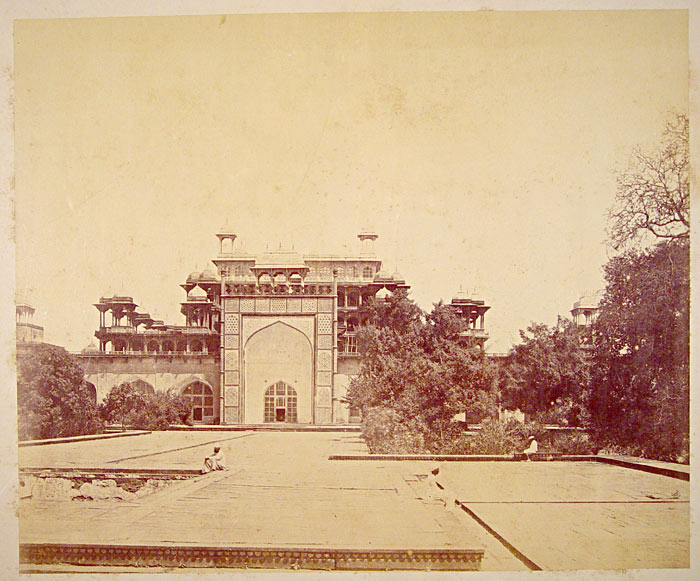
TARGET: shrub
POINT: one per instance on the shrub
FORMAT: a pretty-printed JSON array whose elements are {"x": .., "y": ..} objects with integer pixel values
[
  {"x": 385, "y": 432},
  {"x": 494, "y": 437},
  {"x": 156, "y": 411},
  {"x": 572, "y": 443}
]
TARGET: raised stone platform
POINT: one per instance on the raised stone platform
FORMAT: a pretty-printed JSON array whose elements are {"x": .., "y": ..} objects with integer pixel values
[{"x": 328, "y": 558}]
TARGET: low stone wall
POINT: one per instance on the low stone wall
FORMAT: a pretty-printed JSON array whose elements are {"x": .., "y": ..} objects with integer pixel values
[{"x": 88, "y": 487}]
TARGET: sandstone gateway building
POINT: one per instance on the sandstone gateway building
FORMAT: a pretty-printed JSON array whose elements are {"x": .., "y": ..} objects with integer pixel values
[{"x": 268, "y": 337}]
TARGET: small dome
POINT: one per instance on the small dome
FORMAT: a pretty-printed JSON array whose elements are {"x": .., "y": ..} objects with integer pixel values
[
  {"x": 383, "y": 294},
  {"x": 207, "y": 275},
  {"x": 193, "y": 277},
  {"x": 91, "y": 348},
  {"x": 197, "y": 293},
  {"x": 382, "y": 275},
  {"x": 397, "y": 276},
  {"x": 589, "y": 301}
]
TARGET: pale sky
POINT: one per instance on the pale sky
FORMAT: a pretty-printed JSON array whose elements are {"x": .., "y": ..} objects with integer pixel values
[{"x": 481, "y": 146}]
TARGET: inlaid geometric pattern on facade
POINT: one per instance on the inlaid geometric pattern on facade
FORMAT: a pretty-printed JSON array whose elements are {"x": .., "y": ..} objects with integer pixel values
[
  {"x": 308, "y": 305},
  {"x": 231, "y": 323},
  {"x": 231, "y": 360},
  {"x": 325, "y": 324}
]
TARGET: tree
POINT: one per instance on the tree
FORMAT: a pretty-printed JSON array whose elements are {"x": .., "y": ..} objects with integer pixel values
[
  {"x": 156, "y": 411},
  {"x": 653, "y": 195},
  {"x": 121, "y": 402},
  {"x": 547, "y": 374},
  {"x": 414, "y": 365},
  {"x": 52, "y": 397},
  {"x": 640, "y": 396}
]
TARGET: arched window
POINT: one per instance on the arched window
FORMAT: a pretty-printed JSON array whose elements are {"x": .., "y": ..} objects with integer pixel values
[
  {"x": 168, "y": 346},
  {"x": 280, "y": 403},
  {"x": 181, "y": 346},
  {"x": 353, "y": 272},
  {"x": 367, "y": 272},
  {"x": 153, "y": 347},
  {"x": 238, "y": 271},
  {"x": 326, "y": 273},
  {"x": 201, "y": 400},
  {"x": 341, "y": 298},
  {"x": 339, "y": 272},
  {"x": 196, "y": 346}
]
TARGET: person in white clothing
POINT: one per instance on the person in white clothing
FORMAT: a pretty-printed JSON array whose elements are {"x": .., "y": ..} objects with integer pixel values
[
  {"x": 214, "y": 462},
  {"x": 531, "y": 448}
]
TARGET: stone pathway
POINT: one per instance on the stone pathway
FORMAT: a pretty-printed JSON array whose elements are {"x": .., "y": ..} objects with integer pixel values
[
  {"x": 282, "y": 490},
  {"x": 579, "y": 515}
]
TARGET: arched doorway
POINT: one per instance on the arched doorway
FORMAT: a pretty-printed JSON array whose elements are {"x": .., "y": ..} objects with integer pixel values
[
  {"x": 92, "y": 391},
  {"x": 281, "y": 403},
  {"x": 201, "y": 400}
]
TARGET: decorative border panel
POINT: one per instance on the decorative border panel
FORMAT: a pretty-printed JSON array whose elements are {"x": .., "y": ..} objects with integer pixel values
[
  {"x": 323, "y": 415},
  {"x": 326, "y": 559},
  {"x": 231, "y": 323},
  {"x": 247, "y": 305},
  {"x": 325, "y": 324},
  {"x": 278, "y": 305},
  {"x": 294, "y": 305},
  {"x": 231, "y": 378},
  {"x": 325, "y": 342},
  {"x": 323, "y": 378},
  {"x": 232, "y": 396},
  {"x": 323, "y": 397},
  {"x": 324, "y": 361},
  {"x": 231, "y": 360},
  {"x": 231, "y": 414},
  {"x": 231, "y": 305},
  {"x": 325, "y": 305},
  {"x": 262, "y": 305},
  {"x": 308, "y": 305},
  {"x": 231, "y": 341}
]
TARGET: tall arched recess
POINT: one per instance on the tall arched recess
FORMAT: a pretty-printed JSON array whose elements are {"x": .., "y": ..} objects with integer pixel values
[{"x": 275, "y": 353}]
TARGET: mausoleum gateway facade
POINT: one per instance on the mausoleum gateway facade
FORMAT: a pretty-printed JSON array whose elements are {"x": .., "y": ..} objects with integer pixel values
[{"x": 269, "y": 337}]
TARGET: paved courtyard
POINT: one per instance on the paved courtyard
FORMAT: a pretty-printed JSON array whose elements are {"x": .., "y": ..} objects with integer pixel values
[{"x": 282, "y": 491}]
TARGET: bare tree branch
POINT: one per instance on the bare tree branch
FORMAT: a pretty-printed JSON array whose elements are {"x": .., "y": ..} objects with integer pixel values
[{"x": 653, "y": 195}]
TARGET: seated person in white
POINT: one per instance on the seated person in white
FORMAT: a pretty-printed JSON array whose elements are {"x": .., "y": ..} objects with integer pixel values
[
  {"x": 531, "y": 448},
  {"x": 214, "y": 462}
]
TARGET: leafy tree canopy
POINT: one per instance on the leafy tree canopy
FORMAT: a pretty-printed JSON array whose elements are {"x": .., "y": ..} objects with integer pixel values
[
  {"x": 547, "y": 374},
  {"x": 414, "y": 364},
  {"x": 641, "y": 382},
  {"x": 52, "y": 397}
]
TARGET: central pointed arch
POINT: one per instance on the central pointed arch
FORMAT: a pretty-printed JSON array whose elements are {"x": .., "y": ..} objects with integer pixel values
[{"x": 274, "y": 356}]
